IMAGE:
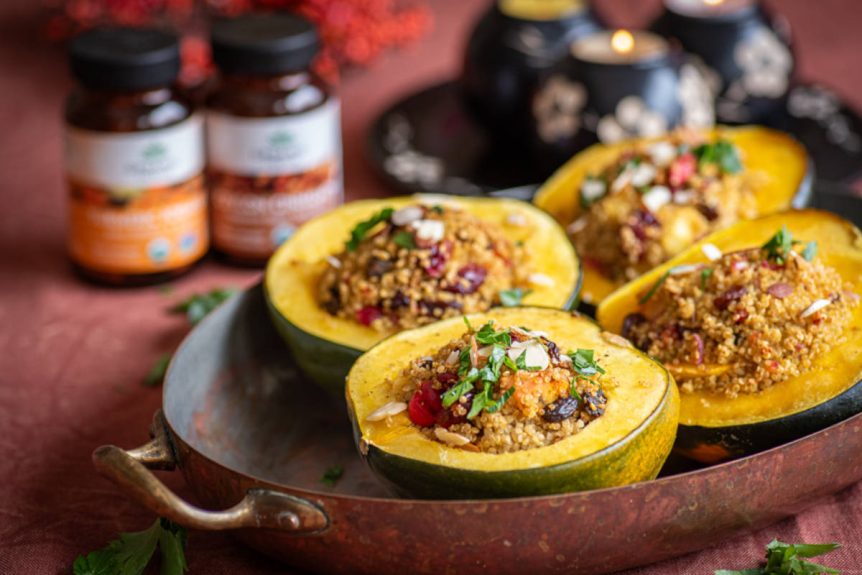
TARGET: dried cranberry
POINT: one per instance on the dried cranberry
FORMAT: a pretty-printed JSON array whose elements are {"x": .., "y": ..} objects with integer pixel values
[
  {"x": 399, "y": 300},
  {"x": 682, "y": 169},
  {"x": 425, "y": 405},
  {"x": 447, "y": 379},
  {"x": 439, "y": 255},
  {"x": 722, "y": 301},
  {"x": 780, "y": 290},
  {"x": 640, "y": 221},
  {"x": 447, "y": 417},
  {"x": 377, "y": 267},
  {"x": 366, "y": 315},
  {"x": 596, "y": 403},
  {"x": 553, "y": 349},
  {"x": 740, "y": 316},
  {"x": 709, "y": 212},
  {"x": 630, "y": 322},
  {"x": 473, "y": 276},
  {"x": 561, "y": 409}
]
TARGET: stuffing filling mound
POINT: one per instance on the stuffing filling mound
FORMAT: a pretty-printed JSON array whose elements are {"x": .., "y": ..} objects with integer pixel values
[
  {"x": 745, "y": 321},
  {"x": 656, "y": 200},
  {"x": 499, "y": 391},
  {"x": 418, "y": 264}
]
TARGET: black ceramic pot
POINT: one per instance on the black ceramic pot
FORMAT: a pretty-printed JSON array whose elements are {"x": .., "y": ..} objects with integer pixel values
[
  {"x": 618, "y": 100},
  {"x": 741, "y": 50},
  {"x": 513, "y": 46}
]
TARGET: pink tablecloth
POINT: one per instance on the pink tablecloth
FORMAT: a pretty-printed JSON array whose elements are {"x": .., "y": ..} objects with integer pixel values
[{"x": 73, "y": 355}]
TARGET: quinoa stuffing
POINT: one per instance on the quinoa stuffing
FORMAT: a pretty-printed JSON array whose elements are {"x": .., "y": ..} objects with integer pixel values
[
  {"x": 409, "y": 267},
  {"x": 745, "y": 321},
  {"x": 500, "y": 391},
  {"x": 656, "y": 200}
]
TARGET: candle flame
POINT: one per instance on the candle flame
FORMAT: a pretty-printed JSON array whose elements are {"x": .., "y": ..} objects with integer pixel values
[
  {"x": 713, "y": 2},
  {"x": 622, "y": 42}
]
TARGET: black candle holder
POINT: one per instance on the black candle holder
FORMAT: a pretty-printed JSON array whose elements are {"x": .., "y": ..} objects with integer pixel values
[
  {"x": 508, "y": 54},
  {"x": 744, "y": 53},
  {"x": 619, "y": 100}
]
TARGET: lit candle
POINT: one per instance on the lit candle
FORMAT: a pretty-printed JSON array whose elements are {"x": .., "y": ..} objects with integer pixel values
[
  {"x": 708, "y": 8},
  {"x": 540, "y": 9},
  {"x": 620, "y": 47}
]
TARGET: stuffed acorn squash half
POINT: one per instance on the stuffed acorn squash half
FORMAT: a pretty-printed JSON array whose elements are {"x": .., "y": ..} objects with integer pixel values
[
  {"x": 371, "y": 268},
  {"x": 512, "y": 402},
  {"x": 761, "y": 326},
  {"x": 629, "y": 207}
]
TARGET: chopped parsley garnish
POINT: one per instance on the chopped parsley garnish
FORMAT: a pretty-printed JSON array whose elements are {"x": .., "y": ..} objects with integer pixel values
[
  {"x": 199, "y": 305},
  {"x": 464, "y": 363},
  {"x": 584, "y": 362},
  {"x": 789, "y": 559},
  {"x": 654, "y": 287},
  {"x": 358, "y": 233},
  {"x": 404, "y": 239},
  {"x": 491, "y": 371},
  {"x": 437, "y": 209},
  {"x": 780, "y": 245},
  {"x": 722, "y": 153},
  {"x": 332, "y": 475},
  {"x": 130, "y": 554},
  {"x": 455, "y": 392},
  {"x": 704, "y": 277},
  {"x": 467, "y": 323},
  {"x": 513, "y": 297},
  {"x": 496, "y": 405},
  {"x": 157, "y": 372},
  {"x": 487, "y": 335}
]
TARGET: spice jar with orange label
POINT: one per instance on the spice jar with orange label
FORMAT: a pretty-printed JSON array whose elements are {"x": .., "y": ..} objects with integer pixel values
[
  {"x": 273, "y": 135},
  {"x": 134, "y": 160}
]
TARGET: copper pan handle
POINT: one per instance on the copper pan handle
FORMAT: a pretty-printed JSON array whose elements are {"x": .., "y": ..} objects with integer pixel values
[{"x": 261, "y": 508}]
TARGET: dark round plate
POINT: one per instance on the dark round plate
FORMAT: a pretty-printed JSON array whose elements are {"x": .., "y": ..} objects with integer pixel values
[{"x": 427, "y": 142}]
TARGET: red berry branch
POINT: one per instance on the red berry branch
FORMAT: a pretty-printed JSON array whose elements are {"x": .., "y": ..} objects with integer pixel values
[{"x": 354, "y": 32}]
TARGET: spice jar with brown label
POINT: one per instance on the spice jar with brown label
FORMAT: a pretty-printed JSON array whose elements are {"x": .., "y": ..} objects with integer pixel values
[
  {"x": 134, "y": 160},
  {"x": 273, "y": 135}
]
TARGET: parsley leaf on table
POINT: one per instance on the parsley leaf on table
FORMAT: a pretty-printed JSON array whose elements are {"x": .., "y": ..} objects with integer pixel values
[
  {"x": 786, "y": 559},
  {"x": 332, "y": 475},
  {"x": 199, "y": 305},
  {"x": 130, "y": 554}
]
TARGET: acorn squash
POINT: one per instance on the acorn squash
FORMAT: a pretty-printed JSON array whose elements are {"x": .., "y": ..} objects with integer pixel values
[
  {"x": 628, "y": 443},
  {"x": 326, "y": 346},
  {"x": 784, "y": 179},
  {"x": 715, "y": 427}
]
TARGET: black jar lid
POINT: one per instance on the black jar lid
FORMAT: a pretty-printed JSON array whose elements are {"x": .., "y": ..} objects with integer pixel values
[
  {"x": 125, "y": 59},
  {"x": 264, "y": 44}
]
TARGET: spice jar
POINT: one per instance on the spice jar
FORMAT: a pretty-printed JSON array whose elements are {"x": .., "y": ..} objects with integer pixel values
[
  {"x": 134, "y": 160},
  {"x": 273, "y": 135}
]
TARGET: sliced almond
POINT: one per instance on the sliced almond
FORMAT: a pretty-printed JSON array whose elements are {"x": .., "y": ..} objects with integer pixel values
[
  {"x": 711, "y": 252},
  {"x": 615, "y": 339},
  {"x": 407, "y": 215},
  {"x": 516, "y": 219},
  {"x": 537, "y": 357},
  {"x": 334, "y": 262},
  {"x": 388, "y": 410},
  {"x": 450, "y": 438},
  {"x": 541, "y": 279},
  {"x": 656, "y": 198},
  {"x": 429, "y": 230},
  {"x": 816, "y": 306},
  {"x": 453, "y": 358}
]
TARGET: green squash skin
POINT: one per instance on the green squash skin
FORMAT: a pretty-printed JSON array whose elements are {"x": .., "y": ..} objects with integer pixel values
[
  {"x": 327, "y": 363},
  {"x": 716, "y": 444},
  {"x": 638, "y": 457}
]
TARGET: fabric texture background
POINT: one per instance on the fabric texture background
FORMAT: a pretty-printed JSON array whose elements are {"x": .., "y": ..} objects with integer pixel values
[{"x": 74, "y": 355}]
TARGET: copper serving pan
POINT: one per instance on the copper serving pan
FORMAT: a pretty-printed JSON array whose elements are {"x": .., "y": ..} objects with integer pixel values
[{"x": 253, "y": 440}]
